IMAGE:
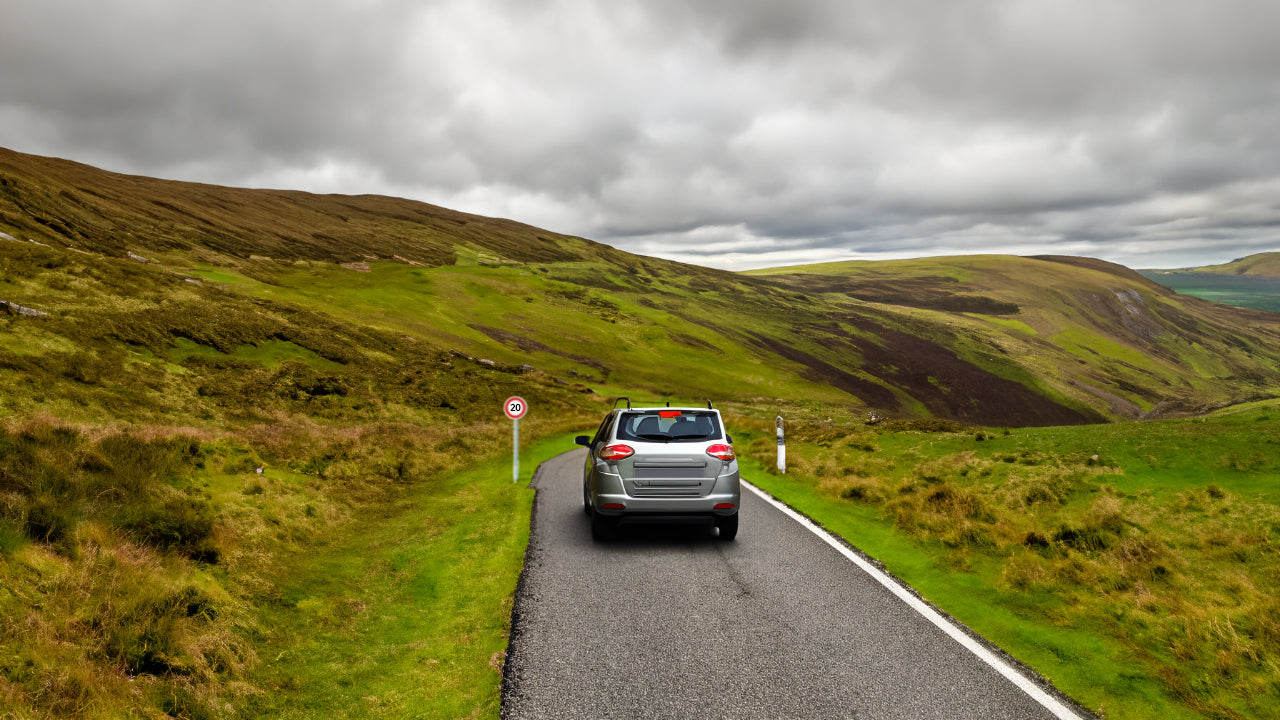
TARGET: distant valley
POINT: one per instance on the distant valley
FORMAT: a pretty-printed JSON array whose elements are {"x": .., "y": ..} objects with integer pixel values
[{"x": 1252, "y": 282}]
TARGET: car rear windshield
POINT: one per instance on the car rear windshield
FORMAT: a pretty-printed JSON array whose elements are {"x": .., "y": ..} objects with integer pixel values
[{"x": 669, "y": 426}]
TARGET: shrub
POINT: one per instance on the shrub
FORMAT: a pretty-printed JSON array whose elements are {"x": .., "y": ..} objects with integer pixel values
[
  {"x": 1085, "y": 539},
  {"x": 862, "y": 492},
  {"x": 180, "y": 522},
  {"x": 949, "y": 500},
  {"x": 1035, "y": 540},
  {"x": 47, "y": 519},
  {"x": 12, "y": 537}
]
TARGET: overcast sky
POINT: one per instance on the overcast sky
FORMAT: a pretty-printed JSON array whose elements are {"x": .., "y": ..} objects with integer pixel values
[{"x": 729, "y": 133}]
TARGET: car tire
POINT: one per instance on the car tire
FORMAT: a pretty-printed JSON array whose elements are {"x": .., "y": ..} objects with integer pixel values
[
  {"x": 586, "y": 499},
  {"x": 728, "y": 526},
  {"x": 603, "y": 527}
]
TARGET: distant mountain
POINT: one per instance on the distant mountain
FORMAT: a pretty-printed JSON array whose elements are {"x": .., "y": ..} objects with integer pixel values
[
  {"x": 218, "y": 295},
  {"x": 1261, "y": 264}
]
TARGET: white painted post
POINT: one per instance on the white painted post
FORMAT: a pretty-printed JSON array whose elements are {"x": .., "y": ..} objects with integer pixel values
[
  {"x": 782, "y": 447},
  {"x": 515, "y": 408}
]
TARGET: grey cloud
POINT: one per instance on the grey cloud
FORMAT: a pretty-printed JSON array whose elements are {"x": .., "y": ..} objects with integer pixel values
[{"x": 747, "y": 130}]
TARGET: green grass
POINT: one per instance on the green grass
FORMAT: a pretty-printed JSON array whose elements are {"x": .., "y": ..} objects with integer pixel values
[
  {"x": 1133, "y": 565},
  {"x": 407, "y": 614},
  {"x": 222, "y": 276},
  {"x": 1016, "y": 325},
  {"x": 270, "y": 354}
]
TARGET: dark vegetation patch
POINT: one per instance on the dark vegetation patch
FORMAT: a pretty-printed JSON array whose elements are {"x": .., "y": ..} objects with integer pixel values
[
  {"x": 690, "y": 341},
  {"x": 952, "y": 387},
  {"x": 931, "y": 292},
  {"x": 869, "y": 392},
  {"x": 930, "y": 373}
]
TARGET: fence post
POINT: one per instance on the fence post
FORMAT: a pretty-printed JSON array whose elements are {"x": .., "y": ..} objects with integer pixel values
[{"x": 782, "y": 447}]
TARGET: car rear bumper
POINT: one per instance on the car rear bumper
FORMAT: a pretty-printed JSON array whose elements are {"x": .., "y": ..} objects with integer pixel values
[
  {"x": 667, "y": 506},
  {"x": 727, "y": 491}
]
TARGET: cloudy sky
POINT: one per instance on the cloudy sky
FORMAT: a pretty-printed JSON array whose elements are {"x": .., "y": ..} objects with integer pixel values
[{"x": 729, "y": 133}]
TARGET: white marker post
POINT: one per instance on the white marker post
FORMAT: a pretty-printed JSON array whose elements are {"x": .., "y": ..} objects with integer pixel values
[
  {"x": 515, "y": 408},
  {"x": 782, "y": 447}
]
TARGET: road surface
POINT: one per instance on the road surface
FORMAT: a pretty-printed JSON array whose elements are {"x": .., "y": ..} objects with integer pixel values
[{"x": 668, "y": 621}]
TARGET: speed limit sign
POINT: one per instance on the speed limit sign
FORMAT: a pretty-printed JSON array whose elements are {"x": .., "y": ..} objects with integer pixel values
[{"x": 515, "y": 408}]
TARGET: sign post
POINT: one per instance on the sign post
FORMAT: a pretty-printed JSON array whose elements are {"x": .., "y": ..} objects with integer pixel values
[
  {"x": 515, "y": 408},
  {"x": 782, "y": 447}
]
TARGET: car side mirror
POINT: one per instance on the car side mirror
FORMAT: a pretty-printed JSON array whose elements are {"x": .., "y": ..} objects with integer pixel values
[{"x": 583, "y": 440}]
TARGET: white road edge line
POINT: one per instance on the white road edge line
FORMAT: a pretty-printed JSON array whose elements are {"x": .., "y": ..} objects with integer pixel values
[{"x": 1030, "y": 688}]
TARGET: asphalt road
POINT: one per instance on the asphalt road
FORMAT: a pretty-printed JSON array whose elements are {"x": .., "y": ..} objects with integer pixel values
[{"x": 667, "y": 621}]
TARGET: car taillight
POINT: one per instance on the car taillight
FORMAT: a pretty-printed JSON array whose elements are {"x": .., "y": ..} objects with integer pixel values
[
  {"x": 616, "y": 452},
  {"x": 722, "y": 452}
]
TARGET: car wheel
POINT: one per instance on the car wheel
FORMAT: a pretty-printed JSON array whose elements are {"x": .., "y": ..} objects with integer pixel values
[
  {"x": 603, "y": 527},
  {"x": 728, "y": 526},
  {"x": 586, "y": 499}
]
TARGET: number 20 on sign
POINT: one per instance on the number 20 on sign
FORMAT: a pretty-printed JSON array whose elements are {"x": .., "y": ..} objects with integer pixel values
[{"x": 515, "y": 408}]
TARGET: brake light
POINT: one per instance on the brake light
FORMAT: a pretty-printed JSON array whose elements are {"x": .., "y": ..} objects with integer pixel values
[
  {"x": 669, "y": 413},
  {"x": 722, "y": 452},
  {"x": 616, "y": 452}
]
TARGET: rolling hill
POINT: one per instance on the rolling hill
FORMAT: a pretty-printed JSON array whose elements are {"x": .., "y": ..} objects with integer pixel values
[
  {"x": 127, "y": 261},
  {"x": 1261, "y": 264},
  {"x": 1087, "y": 331}
]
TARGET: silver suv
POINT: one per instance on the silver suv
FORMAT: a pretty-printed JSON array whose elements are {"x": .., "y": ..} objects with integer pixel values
[{"x": 660, "y": 461}]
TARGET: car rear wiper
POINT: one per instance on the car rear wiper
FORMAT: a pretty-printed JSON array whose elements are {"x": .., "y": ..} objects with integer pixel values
[{"x": 654, "y": 436}]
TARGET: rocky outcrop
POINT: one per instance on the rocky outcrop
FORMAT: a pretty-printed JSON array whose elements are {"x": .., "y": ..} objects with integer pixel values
[{"x": 16, "y": 309}]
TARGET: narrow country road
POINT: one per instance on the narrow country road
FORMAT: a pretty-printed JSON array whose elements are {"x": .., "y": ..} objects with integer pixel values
[{"x": 670, "y": 622}]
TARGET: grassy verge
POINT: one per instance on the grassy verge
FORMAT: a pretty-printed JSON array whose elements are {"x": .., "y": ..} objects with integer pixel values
[
  {"x": 1133, "y": 565},
  {"x": 281, "y": 570},
  {"x": 407, "y": 614}
]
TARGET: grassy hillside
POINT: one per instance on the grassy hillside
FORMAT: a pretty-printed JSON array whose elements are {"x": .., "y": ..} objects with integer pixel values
[
  {"x": 240, "y": 430},
  {"x": 1080, "y": 330},
  {"x": 175, "y": 454},
  {"x": 995, "y": 340},
  {"x": 1261, "y": 264}
]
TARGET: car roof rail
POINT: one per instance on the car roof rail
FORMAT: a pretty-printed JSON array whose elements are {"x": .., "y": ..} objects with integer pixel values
[
  {"x": 615, "y": 402},
  {"x": 709, "y": 405}
]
